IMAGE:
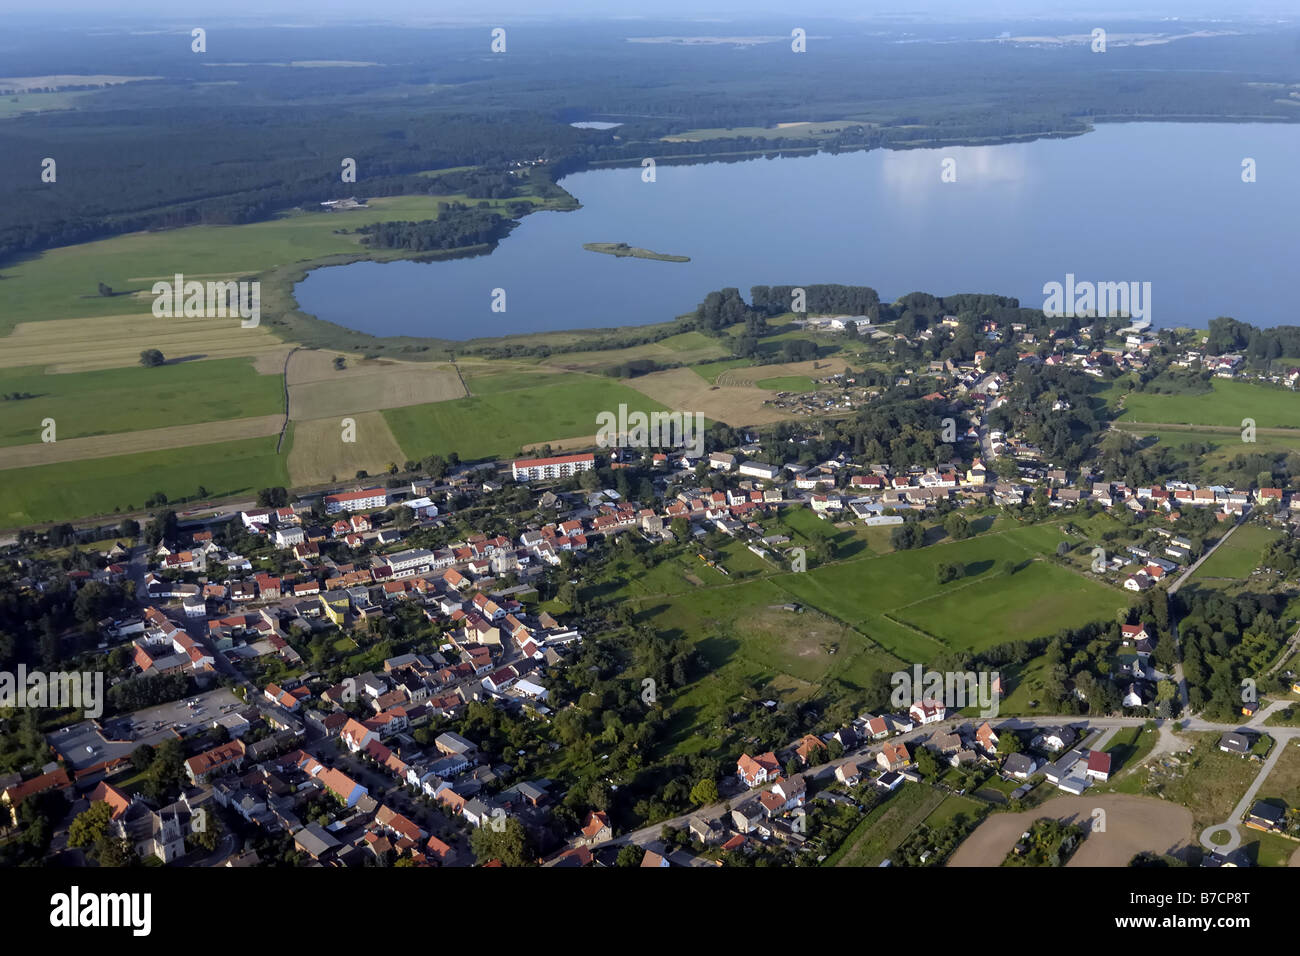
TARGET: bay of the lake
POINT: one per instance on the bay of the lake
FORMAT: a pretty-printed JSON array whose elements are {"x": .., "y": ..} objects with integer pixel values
[{"x": 1163, "y": 203}]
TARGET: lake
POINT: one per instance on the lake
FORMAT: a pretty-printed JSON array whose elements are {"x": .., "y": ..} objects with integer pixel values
[{"x": 1136, "y": 202}]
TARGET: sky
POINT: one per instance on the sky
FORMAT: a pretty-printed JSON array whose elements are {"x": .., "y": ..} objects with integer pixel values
[{"x": 484, "y": 10}]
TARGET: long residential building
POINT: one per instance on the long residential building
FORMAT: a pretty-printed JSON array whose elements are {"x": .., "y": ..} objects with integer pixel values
[
  {"x": 533, "y": 469},
  {"x": 363, "y": 500}
]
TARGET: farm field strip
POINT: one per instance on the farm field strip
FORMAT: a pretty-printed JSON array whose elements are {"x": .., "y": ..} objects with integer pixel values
[{"x": 178, "y": 439}]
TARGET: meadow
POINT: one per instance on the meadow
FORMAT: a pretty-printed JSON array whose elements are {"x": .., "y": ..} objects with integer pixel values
[
  {"x": 101, "y": 485},
  {"x": 1226, "y": 405},
  {"x": 130, "y": 399}
]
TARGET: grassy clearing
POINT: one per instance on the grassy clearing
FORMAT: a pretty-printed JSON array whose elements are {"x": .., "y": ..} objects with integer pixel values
[
  {"x": 101, "y": 485},
  {"x": 132, "y": 399}
]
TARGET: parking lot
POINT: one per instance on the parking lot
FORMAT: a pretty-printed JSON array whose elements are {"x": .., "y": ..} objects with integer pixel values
[{"x": 156, "y": 723}]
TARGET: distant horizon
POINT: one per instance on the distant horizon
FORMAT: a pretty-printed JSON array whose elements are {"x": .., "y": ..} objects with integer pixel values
[{"x": 476, "y": 11}]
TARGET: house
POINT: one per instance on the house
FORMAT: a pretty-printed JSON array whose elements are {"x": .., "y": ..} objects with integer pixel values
[
  {"x": 1098, "y": 767},
  {"x": 1235, "y": 743},
  {"x": 14, "y": 794},
  {"x": 1265, "y": 816},
  {"x": 1133, "y": 632},
  {"x": 215, "y": 762},
  {"x": 1020, "y": 766},
  {"x": 893, "y": 756},
  {"x": 849, "y": 773},
  {"x": 809, "y": 749},
  {"x": 927, "y": 712},
  {"x": 596, "y": 829},
  {"x": 708, "y": 832},
  {"x": 455, "y": 745},
  {"x": 793, "y": 792},
  {"x": 1250, "y": 708},
  {"x": 749, "y": 818},
  {"x": 756, "y": 771},
  {"x": 891, "y": 780},
  {"x": 315, "y": 841},
  {"x": 987, "y": 738},
  {"x": 1058, "y": 738}
]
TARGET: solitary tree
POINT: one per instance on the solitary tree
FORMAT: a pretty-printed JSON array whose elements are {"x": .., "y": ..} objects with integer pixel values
[{"x": 151, "y": 358}]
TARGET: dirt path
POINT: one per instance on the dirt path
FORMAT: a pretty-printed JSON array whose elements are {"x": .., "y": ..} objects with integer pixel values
[{"x": 1132, "y": 824}]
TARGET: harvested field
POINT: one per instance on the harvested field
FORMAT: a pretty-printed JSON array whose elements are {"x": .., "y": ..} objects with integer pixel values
[
  {"x": 112, "y": 341},
  {"x": 319, "y": 453},
  {"x": 1133, "y": 824},
  {"x": 680, "y": 389},
  {"x": 394, "y": 387},
  {"x": 131, "y": 443}
]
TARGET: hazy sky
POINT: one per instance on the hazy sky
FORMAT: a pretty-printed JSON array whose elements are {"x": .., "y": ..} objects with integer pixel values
[{"x": 483, "y": 10}]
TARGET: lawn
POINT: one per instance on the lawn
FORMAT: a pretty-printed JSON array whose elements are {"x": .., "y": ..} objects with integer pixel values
[
  {"x": 1237, "y": 556},
  {"x": 100, "y": 485},
  {"x": 131, "y": 399},
  {"x": 502, "y": 421}
]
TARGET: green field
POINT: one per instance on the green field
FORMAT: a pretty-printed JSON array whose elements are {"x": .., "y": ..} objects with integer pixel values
[
  {"x": 895, "y": 600},
  {"x": 99, "y": 485},
  {"x": 1238, "y": 556},
  {"x": 1226, "y": 405},
  {"x": 501, "y": 422},
  {"x": 788, "y": 383},
  {"x": 132, "y": 399}
]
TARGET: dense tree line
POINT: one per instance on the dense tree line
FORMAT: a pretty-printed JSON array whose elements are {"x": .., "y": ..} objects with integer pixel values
[{"x": 457, "y": 229}]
